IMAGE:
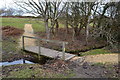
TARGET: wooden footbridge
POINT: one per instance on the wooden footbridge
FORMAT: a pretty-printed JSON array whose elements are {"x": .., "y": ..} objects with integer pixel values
[{"x": 45, "y": 51}]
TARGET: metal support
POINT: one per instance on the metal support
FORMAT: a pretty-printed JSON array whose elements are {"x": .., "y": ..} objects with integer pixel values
[
  {"x": 23, "y": 43},
  {"x": 63, "y": 50}
]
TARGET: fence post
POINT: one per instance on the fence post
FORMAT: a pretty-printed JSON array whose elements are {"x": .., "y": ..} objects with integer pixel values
[
  {"x": 23, "y": 43},
  {"x": 63, "y": 50},
  {"x": 39, "y": 50}
]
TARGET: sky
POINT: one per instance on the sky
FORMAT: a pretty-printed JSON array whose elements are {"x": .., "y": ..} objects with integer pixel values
[
  {"x": 6, "y": 3},
  {"x": 10, "y": 4}
]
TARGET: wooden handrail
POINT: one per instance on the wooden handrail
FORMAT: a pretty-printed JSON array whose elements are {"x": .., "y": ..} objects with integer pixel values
[{"x": 53, "y": 41}]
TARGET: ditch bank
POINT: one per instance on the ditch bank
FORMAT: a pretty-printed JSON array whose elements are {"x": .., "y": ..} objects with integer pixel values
[{"x": 73, "y": 47}]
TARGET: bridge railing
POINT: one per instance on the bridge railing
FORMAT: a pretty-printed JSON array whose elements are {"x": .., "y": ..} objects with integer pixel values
[{"x": 46, "y": 40}]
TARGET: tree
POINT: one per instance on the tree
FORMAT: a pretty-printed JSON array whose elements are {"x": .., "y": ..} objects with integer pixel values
[
  {"x": 107, "y": 26},
  {"x": 46, "y": 9},
  {"x": 79, "y": 17},
  {"x": 56, "y": 9},
  {"x": 2, "y": 11},
  {"x": 7, "y": 12},
  {"x": 75, "y": 18},
  {"x": 39, "y": 8},
  {"x": 10, "y": 12},
  {"x": 66, "y": 17}
]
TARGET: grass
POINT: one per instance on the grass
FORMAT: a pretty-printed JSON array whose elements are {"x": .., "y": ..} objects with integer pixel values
[
  {"x": 9, "y": 48},
  {"x": 10, "y": 45},
  {"x": 38, "y": 25},
  {"x": 0, "y": 44},
  {"x": 96, "y": 51},
  {"x": 37, "y": 72},
  {"x": 20, "y": 22}
]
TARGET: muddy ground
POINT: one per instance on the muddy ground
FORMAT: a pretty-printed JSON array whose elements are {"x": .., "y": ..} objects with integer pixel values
[
  {"x": 11, "y": 31},
  {"x": 74, "y": 47},
  {"x": 81, "y": 69},
  {"x": 10, "y": 46}
]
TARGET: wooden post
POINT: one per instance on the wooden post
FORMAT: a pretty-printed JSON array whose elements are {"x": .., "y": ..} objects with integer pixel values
[
  {"x": 23, "y": 43},
  {"x": 23, "y": 61},
  {"x": 39, "y": 51},
  {"x": 63, "y": 50}
]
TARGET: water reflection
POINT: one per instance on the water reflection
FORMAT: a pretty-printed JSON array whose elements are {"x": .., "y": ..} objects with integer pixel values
[{"x": 22, "y": 61}]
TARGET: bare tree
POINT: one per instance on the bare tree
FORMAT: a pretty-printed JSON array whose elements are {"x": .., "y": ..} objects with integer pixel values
[
  {"x": 46, "y": 9},
  {"x": 66, "y": 17},
  {"x": 7, "y": 12},
  {"x": 74, "y": 18},
  {"x": 39, "y": 8},
  {"x": 107, "y": 26},
  {"x": 56, "y": 9},
  {"x": 89, "y": 7},
  {"x": 79, "y": 17}
]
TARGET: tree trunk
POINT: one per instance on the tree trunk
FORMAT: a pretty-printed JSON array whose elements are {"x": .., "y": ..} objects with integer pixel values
[
  {"x": 52, "y": 28},
  {"x": 66, "y": 24},
  {"x": 66, "y": 19},
  {"x": 77, "y": 32},
  {"x": 73, "y": 36},
  {"x": 87, "y": 30},
  {"x": 57, "y": 25},
  {"x": 47, "y": 29}
]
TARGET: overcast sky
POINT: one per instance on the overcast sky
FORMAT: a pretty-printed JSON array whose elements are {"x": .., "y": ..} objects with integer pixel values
[{"x": 9, "y": 3}]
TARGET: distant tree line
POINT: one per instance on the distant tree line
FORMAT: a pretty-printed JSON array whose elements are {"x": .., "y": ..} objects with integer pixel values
[{"x": 10, "y": 12}]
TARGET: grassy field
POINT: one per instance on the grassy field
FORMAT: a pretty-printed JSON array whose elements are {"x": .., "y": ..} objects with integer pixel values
[
  {"x": 38, "y": 25},
  {"x": 20, "y": 22}
]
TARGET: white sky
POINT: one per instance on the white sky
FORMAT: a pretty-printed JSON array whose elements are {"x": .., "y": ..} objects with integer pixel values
[{"x": 9, "y": 3}]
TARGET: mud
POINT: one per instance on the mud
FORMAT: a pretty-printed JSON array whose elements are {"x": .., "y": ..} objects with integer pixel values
[
  {"x": 11, "y": 31},
  {"x": 102, "y": 58}
]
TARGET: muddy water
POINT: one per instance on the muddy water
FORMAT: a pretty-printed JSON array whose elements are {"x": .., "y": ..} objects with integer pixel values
[{"x": 28, "y": 31}]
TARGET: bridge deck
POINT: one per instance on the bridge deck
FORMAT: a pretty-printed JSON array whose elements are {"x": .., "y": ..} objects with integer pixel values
[{"x": 48, "y": 52}]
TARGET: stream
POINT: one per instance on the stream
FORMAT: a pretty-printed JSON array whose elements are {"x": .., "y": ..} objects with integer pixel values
[{"x": 21, "y": 61}]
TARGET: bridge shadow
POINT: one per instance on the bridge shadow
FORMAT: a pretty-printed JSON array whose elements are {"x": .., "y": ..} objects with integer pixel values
[{"x": 35, "y": 58}]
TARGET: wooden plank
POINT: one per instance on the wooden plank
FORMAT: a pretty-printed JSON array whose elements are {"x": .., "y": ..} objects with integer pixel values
[
  {"x": 53, "y": 41},
  {"x": 49, "y": 52}
]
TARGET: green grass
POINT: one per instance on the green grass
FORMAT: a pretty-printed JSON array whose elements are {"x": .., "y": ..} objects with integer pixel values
[
  {"x": 38, "y": 73},
  {"x": 9, "y": 48},
  {"x": 38, "y": 25},
  {"x": 10, "y": 45},
  {"x": 96, "y": 51},
  {"x": 20, "y": 22}
]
